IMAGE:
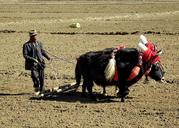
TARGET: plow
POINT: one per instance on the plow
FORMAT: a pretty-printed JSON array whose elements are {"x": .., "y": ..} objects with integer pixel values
[
  {"x": 69, "y": 87},
  {"x": 72, "y": 87}
]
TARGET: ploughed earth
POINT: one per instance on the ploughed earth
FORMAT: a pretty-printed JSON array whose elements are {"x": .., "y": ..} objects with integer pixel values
[{"x": 104, "y": 24}]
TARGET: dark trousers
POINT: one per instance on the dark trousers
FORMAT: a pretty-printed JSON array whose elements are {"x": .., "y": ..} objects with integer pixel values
[{"x": 37, "y": 75}]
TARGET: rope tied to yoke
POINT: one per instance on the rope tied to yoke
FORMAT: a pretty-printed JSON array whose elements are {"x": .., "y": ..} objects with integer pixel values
[
  {"x": 57, "y": 58},
  {"x": 54, "y": 71}
]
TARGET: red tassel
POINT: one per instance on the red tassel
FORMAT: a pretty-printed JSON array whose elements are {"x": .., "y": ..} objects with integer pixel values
[{"x": 116, "y": 75}]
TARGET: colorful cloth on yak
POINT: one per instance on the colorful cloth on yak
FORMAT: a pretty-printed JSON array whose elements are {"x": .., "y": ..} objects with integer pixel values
[{"x": 150, "y": 53}]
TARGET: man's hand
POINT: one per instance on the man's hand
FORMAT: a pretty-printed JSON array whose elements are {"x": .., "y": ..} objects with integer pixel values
[
  {"x": 50, "y": 59},
  {"x": 36, "y": 60}
]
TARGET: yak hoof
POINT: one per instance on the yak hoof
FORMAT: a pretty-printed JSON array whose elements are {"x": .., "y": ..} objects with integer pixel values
[
  {"x": 122, "y": 96},
  {"x": 93, "y": 98},
  {"x": 104, "y": 94},
  {"x": 146, "y": 82},
  {"x": 122, "y": 99},
  {"x": 83, "y": 94}
]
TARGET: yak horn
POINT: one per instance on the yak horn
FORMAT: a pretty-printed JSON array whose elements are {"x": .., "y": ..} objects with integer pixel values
[
  {"x": 159, "y": 52},
  {"x": 143, "y": 39},
  {"x": 142, "y": 46}
]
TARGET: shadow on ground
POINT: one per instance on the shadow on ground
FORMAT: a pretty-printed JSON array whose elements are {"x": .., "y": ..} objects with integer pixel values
[
  {"x": 77, "y": 96},
  {"x": 14, "y": 94}
]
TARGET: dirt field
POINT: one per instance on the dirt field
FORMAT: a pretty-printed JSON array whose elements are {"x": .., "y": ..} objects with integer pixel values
[{"x": 104, "y": 24}]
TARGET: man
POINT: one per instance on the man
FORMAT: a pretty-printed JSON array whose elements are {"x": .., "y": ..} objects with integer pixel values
[{"x": 34, "y": 54}]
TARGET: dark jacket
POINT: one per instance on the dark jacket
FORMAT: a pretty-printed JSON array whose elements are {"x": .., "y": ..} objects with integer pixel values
[{"x": 33, "y": 51}]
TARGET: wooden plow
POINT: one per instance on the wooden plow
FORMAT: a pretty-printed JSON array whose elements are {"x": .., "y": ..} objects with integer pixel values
[{"x": 72, "y": 87}]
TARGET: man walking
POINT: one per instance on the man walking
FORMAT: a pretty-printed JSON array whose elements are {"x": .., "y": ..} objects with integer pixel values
[{"x": 34, "y": 54}]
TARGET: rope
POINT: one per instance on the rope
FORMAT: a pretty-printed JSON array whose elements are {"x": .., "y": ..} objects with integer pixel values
[
  {"x": 56, "y": 58},
  {"x": 54, "y": 72},
  {"x": 60, "y": 58}
]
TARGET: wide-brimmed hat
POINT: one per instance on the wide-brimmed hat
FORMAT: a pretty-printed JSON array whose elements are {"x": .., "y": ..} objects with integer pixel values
[{"x": 32, "y": 33}]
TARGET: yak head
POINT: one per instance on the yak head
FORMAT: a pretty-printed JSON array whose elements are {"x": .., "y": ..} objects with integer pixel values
[
  {"x": 156, "y": 68},
  {"x": 152, "y": 60},
  {"x": 157, "y": 72}
]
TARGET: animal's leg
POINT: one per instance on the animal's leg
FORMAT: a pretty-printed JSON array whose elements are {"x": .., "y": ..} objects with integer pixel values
[
  {"x": 123, "y": 92},
  {"x": 116, "y": 90},
  {"x": 89, "y": 86},
  {"x": 104, "y": 90},
  {"x": 78, "y": 73},
  {"x": 146, "y": 81},
  {"x": 83, "y": 90}
]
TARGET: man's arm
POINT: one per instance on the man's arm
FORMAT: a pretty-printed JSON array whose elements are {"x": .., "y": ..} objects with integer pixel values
[
  {"x": 25, "y": 53},
  {"x": 44, "y": 53}
]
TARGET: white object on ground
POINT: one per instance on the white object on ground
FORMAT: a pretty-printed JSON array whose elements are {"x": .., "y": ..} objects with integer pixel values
[{"x": 75, "y": 25}]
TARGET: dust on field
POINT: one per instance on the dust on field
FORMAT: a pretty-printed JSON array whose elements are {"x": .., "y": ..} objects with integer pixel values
[{"x": 104, "y": 24}]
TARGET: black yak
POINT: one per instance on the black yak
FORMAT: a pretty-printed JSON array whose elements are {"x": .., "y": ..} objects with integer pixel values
[{"x": 121, "y": 68}]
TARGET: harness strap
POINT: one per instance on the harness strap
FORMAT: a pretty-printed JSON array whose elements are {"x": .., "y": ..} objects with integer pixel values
[
  {"x": 135, "y": 71},
  {"x": 148, "y": 71},
  {"x": 154, "y": 59},
  {"x": 116, "y": 77}
]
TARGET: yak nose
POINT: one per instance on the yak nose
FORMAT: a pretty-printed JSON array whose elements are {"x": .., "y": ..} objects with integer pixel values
[{"x": 163, "y": 80}]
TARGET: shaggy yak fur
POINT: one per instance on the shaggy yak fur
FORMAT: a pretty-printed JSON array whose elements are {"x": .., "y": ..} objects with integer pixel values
[{"x": 92, "y": 67}]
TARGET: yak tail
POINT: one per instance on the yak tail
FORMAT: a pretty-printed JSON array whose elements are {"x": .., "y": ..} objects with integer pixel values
[
  {"x": 110, "y": 69},
  {"x": 78, "y": 73}
]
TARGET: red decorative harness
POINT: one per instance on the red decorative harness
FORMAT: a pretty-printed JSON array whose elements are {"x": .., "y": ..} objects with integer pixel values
[
  {"x": 147, "y": 56},
  {"x": 116, "y": 75}
]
